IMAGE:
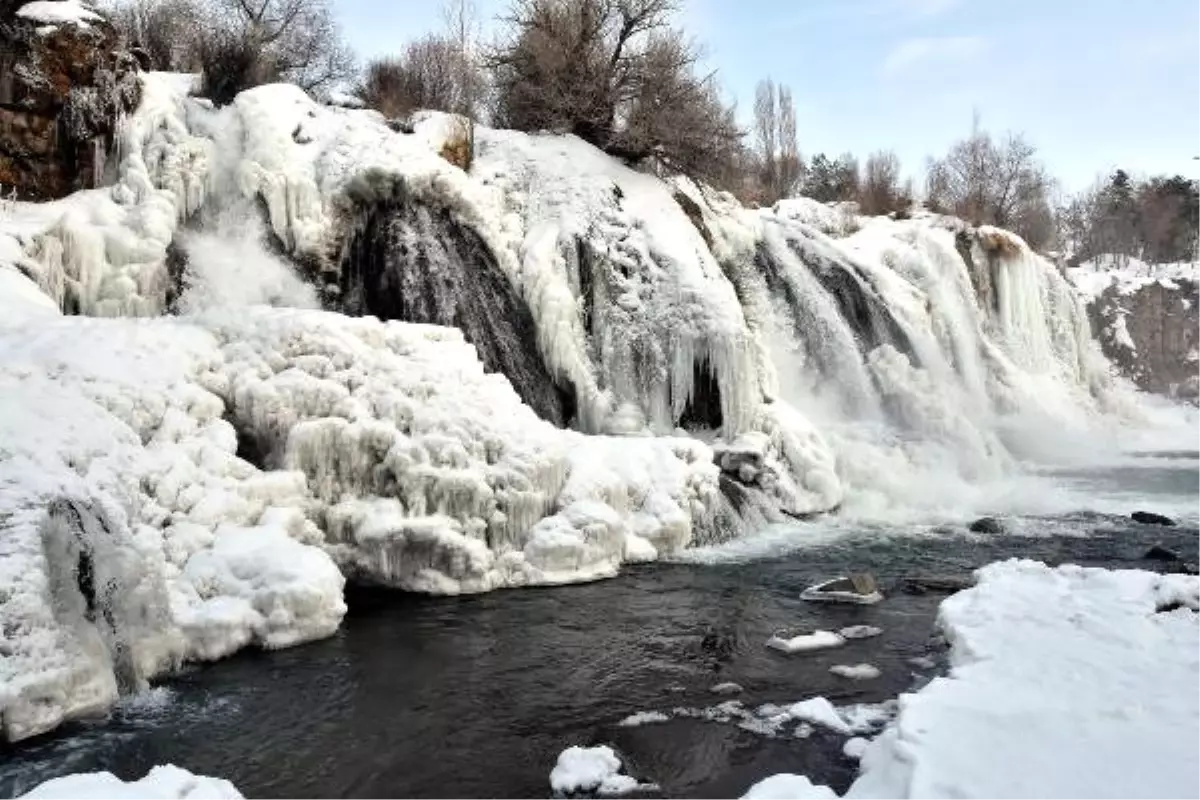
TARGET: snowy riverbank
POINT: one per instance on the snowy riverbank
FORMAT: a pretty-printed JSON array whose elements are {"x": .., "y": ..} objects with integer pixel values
[{"x": 1065, "y": 682}]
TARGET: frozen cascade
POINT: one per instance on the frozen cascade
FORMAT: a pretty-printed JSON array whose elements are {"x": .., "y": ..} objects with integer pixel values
[
  {"x": 409, "y": 260},
  {"x": 724, "y": 368}
]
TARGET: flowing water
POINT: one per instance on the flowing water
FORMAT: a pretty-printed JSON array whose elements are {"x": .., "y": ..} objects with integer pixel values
[{"x": 476, "y": 696}]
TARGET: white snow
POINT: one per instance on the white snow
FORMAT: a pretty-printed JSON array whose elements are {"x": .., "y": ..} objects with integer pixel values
[
  {"x": 591, "y": 769},
  {"x": 788, "y": 787},
  {"x": 1127, "y": 274},
  {"x": 59, "y": 12},
  {"x": 20, "y": 299},
  {"x": 166, "y": 781},
  {"x": 804, "y": 643},
  {"x": 1067, "y": 682},
  {"x": 855, "y": 747}
]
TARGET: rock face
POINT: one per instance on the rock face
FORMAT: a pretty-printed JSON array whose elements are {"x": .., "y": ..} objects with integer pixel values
[
  {"x": 1150, "y": 334},
  {"x": 63, "y": 88}
]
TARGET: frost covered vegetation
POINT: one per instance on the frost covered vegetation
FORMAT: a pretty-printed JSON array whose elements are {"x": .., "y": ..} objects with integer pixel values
[{"x": 392, "y": 365}]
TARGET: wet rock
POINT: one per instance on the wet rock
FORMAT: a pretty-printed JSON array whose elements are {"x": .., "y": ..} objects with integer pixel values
[
  {"x": 987, "y": 525},
  {"x": 935, "y": 584},
  {"x": 720, "y": 645},
  {"x": 729, "y": 687},
  {"x": 1160, "y": 553},
  {"x": 1150, "y": 518}
]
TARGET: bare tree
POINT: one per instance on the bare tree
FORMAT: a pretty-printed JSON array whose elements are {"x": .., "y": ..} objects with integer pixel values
[
  {"x": 615, "y": 73},
  {"x": 1001, "y": 184},
  {"x": 766, "y": 130},
  {"x": 780, "y": 167},
  {"x": 294, "y": 40},
  {"x": 881, "y": 192},
  {"x": 161, "y": 31},
  {"x": 425, "y": 75}
]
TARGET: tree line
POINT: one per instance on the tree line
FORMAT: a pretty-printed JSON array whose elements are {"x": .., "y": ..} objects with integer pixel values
[{"x": 625, "y": 76}]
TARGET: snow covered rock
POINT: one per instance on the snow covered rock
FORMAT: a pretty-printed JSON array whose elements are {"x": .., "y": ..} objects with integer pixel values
[
  {"x": 167, "y": 781},
  {"x": 590, "y": 770},
  {"x": 1145, "y": 317},
  {"x": 856, "y": 672}
]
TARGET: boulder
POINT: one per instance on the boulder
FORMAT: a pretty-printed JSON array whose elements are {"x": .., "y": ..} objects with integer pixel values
[
  {"x": 1150, "y": 518},
  {"x": 987, "y": 525}
]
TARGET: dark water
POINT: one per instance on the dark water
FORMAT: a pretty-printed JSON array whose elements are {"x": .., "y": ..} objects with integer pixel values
[{"x": 476, "y": 696}]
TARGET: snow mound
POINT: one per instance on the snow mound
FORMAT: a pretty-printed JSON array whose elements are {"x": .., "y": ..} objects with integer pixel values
[
  {"x": 788, "y": 787},
  {"x": 805, "y": 643},
  {"x": 591, "y": 770},
  {"x": 1067, "y": 682},
  {"x": 166, "y": 781}
]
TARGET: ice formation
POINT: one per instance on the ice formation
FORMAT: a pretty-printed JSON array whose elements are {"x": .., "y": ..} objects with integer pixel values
[
  {"x": 167, "y": 781},
  {"x": 1066, "y": 682},
  {"x": 177, "y": 488}
]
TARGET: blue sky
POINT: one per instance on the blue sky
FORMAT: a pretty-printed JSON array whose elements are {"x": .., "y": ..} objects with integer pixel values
[{"x": 1094, "y": 84}]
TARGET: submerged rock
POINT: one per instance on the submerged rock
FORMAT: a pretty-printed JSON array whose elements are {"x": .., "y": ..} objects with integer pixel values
[
  {"x": 1150, "y": 518},
  {"x": 938, "y": 584},
  {"x": 726, "y": 688},
  {"x": 1160, "y": 553},
  {"x": 987, "y": 525}
]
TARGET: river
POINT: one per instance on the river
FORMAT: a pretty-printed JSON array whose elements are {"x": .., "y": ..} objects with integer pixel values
[{"x": 476, "y": 696}]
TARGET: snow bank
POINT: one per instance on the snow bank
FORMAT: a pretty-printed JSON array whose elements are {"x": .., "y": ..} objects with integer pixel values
[
  {"x": 161, "y": 782},
  {"x": 1066, "y": 682}
]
